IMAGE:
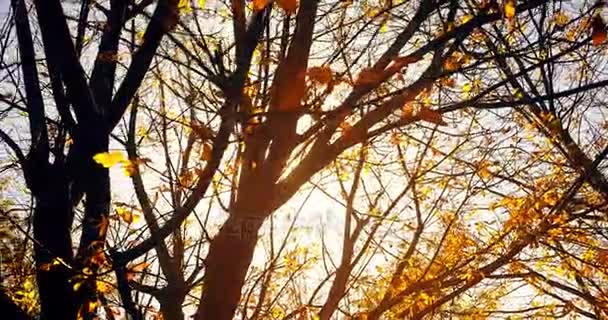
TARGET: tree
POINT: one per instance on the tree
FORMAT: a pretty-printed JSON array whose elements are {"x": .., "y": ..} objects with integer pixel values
[
  {"x": 60, "y": 175},
  {"x": 460, "y": 140}
]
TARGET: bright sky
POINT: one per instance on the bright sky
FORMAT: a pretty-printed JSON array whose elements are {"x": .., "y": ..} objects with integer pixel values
[{"x": 4, "y": 4}]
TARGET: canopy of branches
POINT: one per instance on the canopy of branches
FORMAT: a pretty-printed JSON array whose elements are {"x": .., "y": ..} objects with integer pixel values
[{"x": 304, "y": 159}]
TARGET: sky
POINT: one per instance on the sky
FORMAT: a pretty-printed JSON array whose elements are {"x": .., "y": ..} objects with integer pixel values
[{"x": 4, "y": 4}]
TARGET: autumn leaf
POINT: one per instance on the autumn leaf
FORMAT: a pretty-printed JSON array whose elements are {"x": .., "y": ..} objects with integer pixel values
[
  {"x": 138, "y": 268},
  {"x": 560, "y": 19},
  {"x": 206, "y": 152},
  {"x": 76, "y": 286},
  {"x": 451, "y": 63},
  {"x": 383, "y": 27},
  {"x": 92, "y": 306},
  {"x": 109, "y": 159},
  {"x": 186, "y": 179},
  {"x": 407, "y": 112},
  {"x": 601, "y": 256},
  {"x": 448, "y": 82},
  {"x": 598, "y": 30},
  {"x": 48, "y": 266},
  {"x": 466, "y": 18},
  {"x": 345, "y": 128},
  {"x": 129, "y": 168},
  {"x": 321, "y": 74},
  {"x": 99, "y": 258},
  {"x": 509, "y": 9},
  {"x": 483, "y": 170},
  {"x": 432, "y": 116},
  {"x": 396, "y": 139},
  {"x": 127, "y": 215},
  {"x": 259, "y": 5},
  {"x": 201, "y": 4},
  {"x": 201, "y": 130},
  {"x": 290, "y": 6},
  {"x": 184, "y": 7},
  {"x": 455, "y": 61},
  {"x": 103, "y": 287}
]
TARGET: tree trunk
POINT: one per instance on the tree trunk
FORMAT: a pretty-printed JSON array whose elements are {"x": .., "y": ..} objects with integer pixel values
[
  {"x": 227, "y": 262},
  {"x": 171, "y": 304},
  {"x": 53, "y": 248}
]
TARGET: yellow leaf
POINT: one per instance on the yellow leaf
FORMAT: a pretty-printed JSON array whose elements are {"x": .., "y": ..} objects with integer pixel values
[
  {"x": 48, "y": 266},
  {"x": 129, "y": 167},
  {"x": 109, "y": 159},
  {"x": 103, "y": 287},
  {"x": 384, "y": 27},
  {"x": 184, "y": 7},
  {"x": 92, "y": 305},
  {"x": 518, "y": 94},
  {"x": 561, "y": 19},
  {"x": 201, "y": 4},
  {"x": 509, "y": 9},
  {"x": 466, "y": 18},
  {"x": 125, "y": 214}
]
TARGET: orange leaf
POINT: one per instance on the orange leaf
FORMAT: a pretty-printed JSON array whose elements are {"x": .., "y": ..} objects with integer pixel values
[
  {"x": 407, "y": 112},
  {"x": 259, "y": 5},
  {"x": 602, "y": 256},
  {"x": 290, "y": 6},
  {"x": 598, "y": 30},
  {"x": 206, "y": 152},
  {"x": 432, "y": 116},
  {"x": 345, "y": 128},
  {"x": 322, "y": 74},
  {"x": 140, "y": 267}
]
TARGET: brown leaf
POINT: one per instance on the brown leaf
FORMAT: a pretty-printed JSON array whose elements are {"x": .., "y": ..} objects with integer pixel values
[
  {"x": 321, "y": 74},
  {"x": 432, "y": 116},
  {"x": 201, "y": 130},
  {"x": 206, "y": 152},
  {"x": 290, "y": 6},
  {"x": 598, "y": 30}
]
